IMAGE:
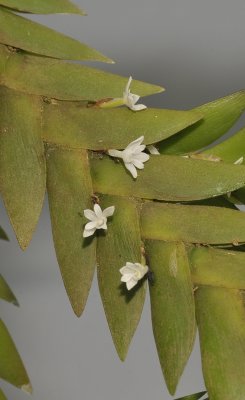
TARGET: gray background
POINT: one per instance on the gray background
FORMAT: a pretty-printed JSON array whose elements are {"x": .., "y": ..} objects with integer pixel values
[{"x": 195, "y": 49}]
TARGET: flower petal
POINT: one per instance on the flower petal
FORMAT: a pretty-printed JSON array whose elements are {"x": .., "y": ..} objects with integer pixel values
[
  {"x": 134, "y": 97},
  {"x": 152, "y": 149},
  {"x": 104, "y": 226},
  {"x": 98, "y": 211},
  {"x": 142, "y": 157},
  {"x": 130, "y": 284},
  {"x": 88, "y": 232},
  {"x": 138, "y": 107},
  {"x": 126, "y": 91},
  {"x": 91, "y": 225},
  {"x": 126, "y": 277},
  {"x": 131, "y": 168},
  {"x": 135, "y": 144},
  {"x": 138, "y": 164},
  {"x": 109, "y": 211},
  {"x": 89, "y": 214},
  {"x": 115, "y": 153}
]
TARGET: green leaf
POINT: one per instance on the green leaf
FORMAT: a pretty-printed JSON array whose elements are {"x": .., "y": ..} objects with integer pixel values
[
  {"x": 121, "y": 243},
  {"x": 70, "y": 189},
  {"x": 219, "y": 117},
  {"x": 215, "y": 267},
  {"x": 172, "y": 308},
  {"x": 6, "y": 293},
  {"x": 43, "y": 6},
  {"x": 192, "y": 224},
  {"x": 221, "y": 322},
  {"x": 3, "y": 235},
  {"x": 2, "y": 396},
  {"x": 12, "y": 369},
  {"x": 231, "y": 149},
  {"x": 24, "y": 34},
  {"x": 169, "y": 178},
  {"x": 100, "y": 129},
  {"x": 63, "y": 80},
  {"x": 22, "y": 162},
  {"x": 195, "y": 396}
]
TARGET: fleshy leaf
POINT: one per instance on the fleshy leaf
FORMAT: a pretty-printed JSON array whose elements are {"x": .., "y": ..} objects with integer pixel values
[
  {"x": 192, "y": 224},
  {"x": 100, "y": 129},
  {"x": 24, "y": 34},
  {"x": 169, "y": 178},
  {"x": 221, "y": 323},
  {"x": 63, "y": 80},
  {"x": 22, "y": 162},
  {"x": 172, "y": 308},
  {"x": 120, "y": 244},
  {"x": 12, "y": 369},
  {"x": 219, "y": 117},
  {"x": 70, "y": 189},
  {"x": 43, "y": 6},
  {"x": 6, "y": 293}
]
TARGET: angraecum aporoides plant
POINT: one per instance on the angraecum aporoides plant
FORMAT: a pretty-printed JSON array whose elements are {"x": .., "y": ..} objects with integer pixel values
[
  {"x": 12, "y": 369},
  {"x": 164, "y": 212}
]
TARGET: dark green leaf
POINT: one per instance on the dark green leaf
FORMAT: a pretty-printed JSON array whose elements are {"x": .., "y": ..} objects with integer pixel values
[
  {"x": 219, "y": 116},
  {"x": 70, "y": 190},
  {"x": 172, "y": 308},
  {"x": 71, "y": 125},
  {"x": 221, "y": 322},
  {"x": 195, "y": 396},
  {"x": 24, "y": 34},
  {"x": 42, "y": 6},
  {"x": 12, "y": 369},
  {"x": 169, "y": 178},
  {"x": 3, "y": 235},
  {"x": 63, "y": 80},
  {"x": 22, "y": 162},
  {"x": 192, "y": 224},
  {"x": 121, "y": 243},
  {"x": 6, "y": 293}
]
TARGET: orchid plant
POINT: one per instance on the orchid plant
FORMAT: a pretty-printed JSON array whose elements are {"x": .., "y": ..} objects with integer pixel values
[{"x": 174, "y": 220}]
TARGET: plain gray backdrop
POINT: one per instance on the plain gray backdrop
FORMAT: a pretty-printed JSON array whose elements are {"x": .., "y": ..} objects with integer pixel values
[{"x": 195, "y": 49}]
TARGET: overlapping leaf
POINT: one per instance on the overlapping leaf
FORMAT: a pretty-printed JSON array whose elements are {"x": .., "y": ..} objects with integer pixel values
[
  {"x": 195, "y": 396},
  {"x": 42, "y": 6},
  {"x": 63, "y": 80},
  {"x": 172, "y": 308},
  {"x": 70, "y": 190},
  {"x": 6, "y": 293},
  {"x": 3, "y": 235},
  {"x": 24, "y": 34},
  {"x": 120, "y": 244},
  {"x": 22, "y": 162},
  {"x": 219, "y": 116},
  {"x": 169, "y": 178}
]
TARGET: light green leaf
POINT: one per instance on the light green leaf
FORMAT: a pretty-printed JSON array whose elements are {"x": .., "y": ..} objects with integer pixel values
[
  {"x": 219, "y": 117},
  {"x": 22, "y": 162},
  {"x": 221, "y": 322},
  {"x": 24, "y": 34},
  {"x": 192, "y": 224},
  {"x": 172, "y": 308},
  {"x": 215, "y": 267},
  {"x": 43, "y": 6},
  {"x": 121, "y": 243},
  {"x": 169, "y": 178},
  {"x": 3, "y": 235},
  {"x": 195, "y": 396},
  {"x": 63, "y": 80},
  {"x": 12, "y": 369},
  {"x": 6, "y": 293},
  {"x": 100, "y": 129},
  {"x": 70, "y": 190}
]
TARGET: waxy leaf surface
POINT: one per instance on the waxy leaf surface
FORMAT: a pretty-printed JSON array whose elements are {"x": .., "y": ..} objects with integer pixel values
[
  {"x": 192, "y": 224},
  {"x": 221, "y": 323},
  {"x": 219, "y": 116},
  {"x": 121, "y": 243},
  {"x": 63, "y": 80},
  {"x": 69, "y": 191},
  {"x": 22, "y": 162},
  {"x": 172, "y": 308},
  {"x": 24, "y": 34},
  {"x": 12, "y": 369},
  {"x": 72, "y": 125},
  {"x": 170, "y": 178},
  {"x": 42, "y": 6}
]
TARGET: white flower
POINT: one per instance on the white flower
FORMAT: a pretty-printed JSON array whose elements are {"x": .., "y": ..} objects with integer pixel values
[
  {"x": 132, "y": 273},
  {"x": 239, "y": 161},
  {"x": 130, "y": 99},
  {"x": 152, "y": 150},
  {"x": 133, "y": 156},
  {"x": 98, "y": 219}
]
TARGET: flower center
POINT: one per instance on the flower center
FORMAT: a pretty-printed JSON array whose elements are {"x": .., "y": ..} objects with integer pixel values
[
  {"x": 100, "y": 221},
  {"x": 128, "y": 157}
]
